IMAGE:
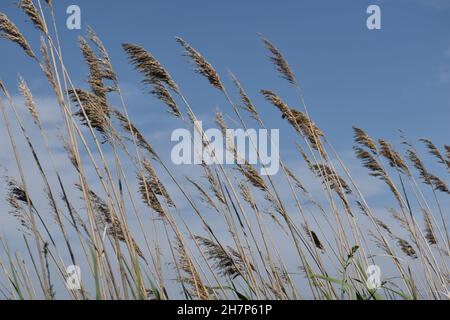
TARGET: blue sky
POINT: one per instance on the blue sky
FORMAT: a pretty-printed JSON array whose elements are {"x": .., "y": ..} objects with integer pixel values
[{"x": 384, "y": 80}]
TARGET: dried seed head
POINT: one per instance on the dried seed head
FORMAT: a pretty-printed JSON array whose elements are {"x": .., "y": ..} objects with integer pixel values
[
  {"x": 71, "y": 152},
  {"x": 161, "y": 93},
  {"x": 308, "y": 128},
  {"x": 95, "y": 111},
  {"x": 46, "y": 65},
  {"x": 148, "y": 66},
  {"x": 213, "y": 183},
  {"x": 155, "y": 183},
  {"x": 104, "y": 217},
  {"x": 362, "y": 138},
  {"x": 273, "y": 98},
  {"x": 433, "y": 150},
  {"x": 229, "y": 264},
  {"x": 335, "y": 183},
  {"x": 430, "y": 235},
  {"x": 247, "y": 194},
  {"x": 376, "y": 170},
  {"x": 29, "y": 102},
  {"x": 406, "y": 248},
  {"x": 17, "y": 199},
  {"x": 192, "y": 276},
  {"x": 130, "y": 128},
  {"x": 95, "y": 72},
  {"x": 31, "y": 11},
  {"x": 247, "y": 103},
  {"x": 447, "y": 151},
  {"x": 279, "y": 61},
  {"x": 395, "y": 160},
  {"x": 8, "y": 30},
  {"x": 252, "y": 175},
  {"x": 149, "y": 196},
  {"x": 203, "y": 194},
  {"x": 202, "y": 66},
  {"x": 314, "y": 238},
  {"x": 419, "y": 165},
  {"x": 297, "y": 181},
  {"x": 106, "y": 66}
]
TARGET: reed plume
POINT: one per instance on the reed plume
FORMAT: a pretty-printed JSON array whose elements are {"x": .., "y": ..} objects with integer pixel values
[
  {"x": 229, "y": 264},
  {"x": 395, "y": 160},
  {"x": 29, "y": 102},
  {"x": 131, "y": 128},
  {"x": 247, "y": 104},
  {"x": 31, "y": 11},
  {"x": 314, "y": 238},
  {"x": 433, "y": 150},
  {"x": 362, "y": 138},
  {"x": 148, "y": 66},
  {"x": 202, "y": 66},
  {"x": 154, "y": 74},
  {"x": 9, "y": 31},
  {"x": 279, "y": 61},
  {"x": 430, "y": 234}
]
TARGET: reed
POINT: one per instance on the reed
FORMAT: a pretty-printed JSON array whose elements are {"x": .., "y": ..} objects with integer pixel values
[{"x": 142, "y": 231}]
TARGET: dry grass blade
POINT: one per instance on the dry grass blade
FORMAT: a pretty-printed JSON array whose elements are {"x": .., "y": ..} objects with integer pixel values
[
  {"x": 8, "y": 30},
  {"x": 202, "y": 66}
]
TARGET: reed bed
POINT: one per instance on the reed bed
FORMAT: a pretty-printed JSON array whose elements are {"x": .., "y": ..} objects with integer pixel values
[{"x": 141, "y": 230}]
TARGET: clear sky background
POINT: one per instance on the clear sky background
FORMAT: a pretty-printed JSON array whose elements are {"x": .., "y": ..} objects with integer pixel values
[{"x": 382, "y": 80}]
